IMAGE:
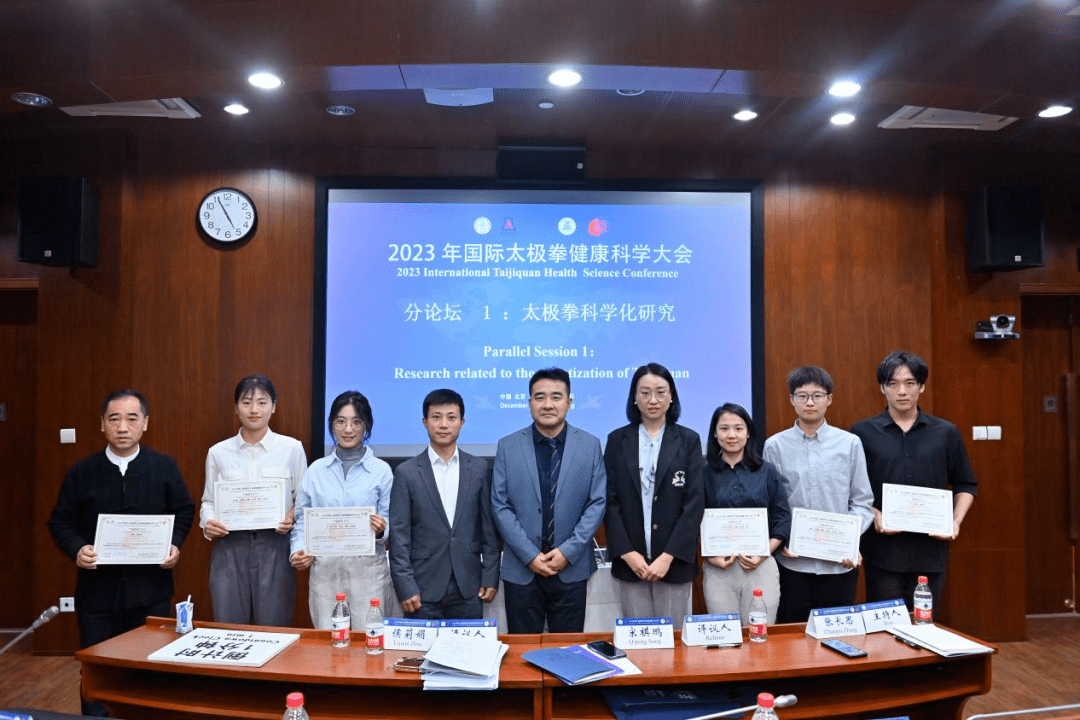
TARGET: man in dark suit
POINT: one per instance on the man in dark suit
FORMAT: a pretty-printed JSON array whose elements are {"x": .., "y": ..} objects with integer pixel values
[
  {"x": 548, "y": 496},
  {"x": 128, "y": 479},
  {"x": 655, "y": 500},
  {"x": 444, "y": 557}
]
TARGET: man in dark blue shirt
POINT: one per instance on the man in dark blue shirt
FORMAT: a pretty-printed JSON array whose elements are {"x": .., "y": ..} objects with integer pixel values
[{"x": 906, "y": 446}]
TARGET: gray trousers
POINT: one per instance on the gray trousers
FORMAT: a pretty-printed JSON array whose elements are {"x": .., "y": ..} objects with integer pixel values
[
  {"x": 654, "y": 599},
  {"x": 251, "y": 581},
  {"x": 731, "y": 590}
]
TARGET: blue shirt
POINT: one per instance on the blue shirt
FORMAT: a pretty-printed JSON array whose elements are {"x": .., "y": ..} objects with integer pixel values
[
  {"x": 741, "y": 487},
  {"x": 648, "y": 453},
  {"x": 324, "y": 485}
]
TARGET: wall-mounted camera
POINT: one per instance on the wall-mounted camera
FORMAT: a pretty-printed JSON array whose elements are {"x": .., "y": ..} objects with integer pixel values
[{"x": 998, "y": 327}]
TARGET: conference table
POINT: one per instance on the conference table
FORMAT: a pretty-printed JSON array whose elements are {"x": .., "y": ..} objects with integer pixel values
[{"x": 341, "y": 683}]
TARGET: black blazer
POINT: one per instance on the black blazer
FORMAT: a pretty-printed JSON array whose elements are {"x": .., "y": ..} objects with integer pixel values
[{"x": 678, "y": 501}]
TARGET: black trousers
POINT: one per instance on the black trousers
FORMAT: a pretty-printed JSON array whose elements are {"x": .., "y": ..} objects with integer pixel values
[
  {"x": 802, "y": 592},
  {"x": 96, "y": 627},
  {"x": 545, "y": 599},
  {"x": 452, "y": 606},
  {"x": 884, "y": 584}
]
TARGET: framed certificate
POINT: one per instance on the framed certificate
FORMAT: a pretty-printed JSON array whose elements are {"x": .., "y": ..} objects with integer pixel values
[
  {"x": 917, "y": 509},
  {"x": 824, "y": 535},
  {"x": 250, "y": 505},
  {"x": 133, "y": 539},
  {"x": 339, "y": 532},
  {"x": 735, "y": 531}
]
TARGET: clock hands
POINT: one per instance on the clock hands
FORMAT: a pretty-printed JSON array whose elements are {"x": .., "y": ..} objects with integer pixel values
[{"x": 222, "y": 206}]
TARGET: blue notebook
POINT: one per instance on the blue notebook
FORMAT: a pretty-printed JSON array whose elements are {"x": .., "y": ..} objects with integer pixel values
[{"x": 571, "y": 668}]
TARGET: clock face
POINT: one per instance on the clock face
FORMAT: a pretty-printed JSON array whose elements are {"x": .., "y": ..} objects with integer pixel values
[{"x": 227, "y": 215}]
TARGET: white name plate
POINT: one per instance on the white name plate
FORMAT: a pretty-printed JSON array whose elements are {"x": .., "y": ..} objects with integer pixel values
[
  {"x": 722, "y": 629},
  {"x": 883, "y": 615},
  {"x": 835, "y": 622},
  {"x": 644, "y": 633},
  {"x": 487, "y": 629},
  {"x": 406, "y": 634}
]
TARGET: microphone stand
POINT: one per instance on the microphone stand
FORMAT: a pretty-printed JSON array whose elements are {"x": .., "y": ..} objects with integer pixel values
[
  {"x": 781, "y": 701},
  {"x": 45, "y": 617}
]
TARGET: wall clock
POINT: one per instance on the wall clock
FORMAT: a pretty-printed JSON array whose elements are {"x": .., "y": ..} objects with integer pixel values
[{"x": 227, "y": 215}]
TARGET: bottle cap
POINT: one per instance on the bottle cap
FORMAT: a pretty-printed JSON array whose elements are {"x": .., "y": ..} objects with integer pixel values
[
  {"x": 765, "y": 700},
  {"x": 294, "y": 700},
  {"x": 922, "y": 579},
  {"x": 340, "y": 597},
  {"x": 757, "y": 593},
  {"x": 374, "y": 602}
]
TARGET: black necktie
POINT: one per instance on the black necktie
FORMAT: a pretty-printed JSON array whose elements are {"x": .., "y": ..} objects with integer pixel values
[{"x": 553, "y": 479}]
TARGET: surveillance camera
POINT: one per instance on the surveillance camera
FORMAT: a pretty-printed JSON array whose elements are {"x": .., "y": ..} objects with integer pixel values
[{"x": 1003, "y": 323}]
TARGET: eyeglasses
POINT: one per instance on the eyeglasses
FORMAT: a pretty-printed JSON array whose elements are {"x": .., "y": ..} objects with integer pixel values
[
  {"x": 342, "y": 423},
  {"x": 646, "y": 394},
  {"x": 817, "y": 397}
]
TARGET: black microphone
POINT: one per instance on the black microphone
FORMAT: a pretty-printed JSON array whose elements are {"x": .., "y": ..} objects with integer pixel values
[{"x": 43, "y": 618}]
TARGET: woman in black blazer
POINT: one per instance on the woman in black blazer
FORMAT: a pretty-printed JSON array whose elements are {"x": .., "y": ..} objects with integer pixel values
[{"x": 655, "y": 490}]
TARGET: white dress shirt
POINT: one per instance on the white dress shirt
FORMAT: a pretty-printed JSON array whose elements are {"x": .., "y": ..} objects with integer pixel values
[{"x": 447, "y": 476}]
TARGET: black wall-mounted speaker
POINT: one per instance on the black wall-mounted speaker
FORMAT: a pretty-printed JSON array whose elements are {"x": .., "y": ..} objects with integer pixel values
[
  {"x": 1004, "y": 228},
  {"x": 529, "y": 164},
  {"x": 58, "y": 221}
]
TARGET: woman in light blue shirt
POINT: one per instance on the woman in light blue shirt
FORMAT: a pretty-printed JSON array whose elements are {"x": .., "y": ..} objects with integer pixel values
[{"x": 350, "y": 476}]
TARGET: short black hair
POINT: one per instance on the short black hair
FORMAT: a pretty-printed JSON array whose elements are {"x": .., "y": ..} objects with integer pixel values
[
  {"x": 444, "y": 396},
  {"x": 713, "y": 453},
  {"x": 902, "y": 358},
  {"x": 359, "y": 403},
  {"x": 633, "y": 412},
  {"x": 126, "y": 392},
  {"x": 551, "y": 373},
  {"x": 809, "y": 375},
  {"x": 251, "y": 383}
]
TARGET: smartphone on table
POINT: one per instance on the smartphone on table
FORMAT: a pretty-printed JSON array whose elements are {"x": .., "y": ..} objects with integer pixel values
[
  {"x": 849, "y": 651},
  {"x": 606, "y": 649}
]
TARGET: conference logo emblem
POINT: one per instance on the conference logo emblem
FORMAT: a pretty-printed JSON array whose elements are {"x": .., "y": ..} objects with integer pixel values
[
  {"x": 481, "y": 225},
  {"x": 597, "y": 227},
  {"x": 567, "y": 226}
]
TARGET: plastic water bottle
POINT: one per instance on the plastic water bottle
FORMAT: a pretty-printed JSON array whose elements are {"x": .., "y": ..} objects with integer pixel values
[
  {"x": 924, "y": 603},
  {"x": 764, "y": 708},
  {"x": 375, "y": 628},
  {"x": 341, "y": 623},
  {"x": 759, "y": 616},
  {"x": 294, "y": 707}
]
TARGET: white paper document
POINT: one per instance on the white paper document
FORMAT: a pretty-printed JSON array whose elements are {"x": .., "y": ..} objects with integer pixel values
[
  {"x": 735, "y": 531},
  {"x": 939, "y": 640},
  {"x": 917, "y": 509},
  {"x": 339, "y": 532},
  {"x": 250, "y": 505},
  {"x": 133, "y": 539},
  {"x": 241, "y": 648},
  {"x": 464, "y": 654},
  {"x": 824, "y": 535}
]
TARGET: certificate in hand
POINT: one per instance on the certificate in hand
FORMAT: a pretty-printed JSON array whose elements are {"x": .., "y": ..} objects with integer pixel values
[
  {"x": 133, "y": 539},
  {"x": 254, "y": 505},
  {"x": 917, "y": 509},
  {"x": 824, "y": 535},
  {"x": 735, "y": 531},
  {"x": 339, "y": 532}
]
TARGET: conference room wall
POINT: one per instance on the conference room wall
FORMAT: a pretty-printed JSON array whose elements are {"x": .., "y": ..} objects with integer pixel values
[{"x": 864, "y": 253}]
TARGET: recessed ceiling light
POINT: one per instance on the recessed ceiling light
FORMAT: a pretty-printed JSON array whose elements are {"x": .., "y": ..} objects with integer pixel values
[
  {"x": 547, "y": 104},
  {"x": 564, "y": 77},
  {"x": 630, "y": 92},
  {"x": 842, "y": 119},
  {"x": 745, "y": 115},
  {"x": 1055, "y": 111},
  {"x": 844, "y": 88},
  {"x": 31, "y": 99},
  {"x": 236, "y": 109},
  {"x": 341, "y": 110},
  {"x": 265, "y": 80}
]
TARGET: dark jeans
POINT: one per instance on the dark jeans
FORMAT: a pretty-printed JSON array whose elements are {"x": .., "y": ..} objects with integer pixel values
[
  {"x": 560, "y": 604},
  {"x": 96, "y": 627},
  {"x": 452, "y": 606},
  {"x": 802, "y": 592},
  {"x": 884, "y": 584}
]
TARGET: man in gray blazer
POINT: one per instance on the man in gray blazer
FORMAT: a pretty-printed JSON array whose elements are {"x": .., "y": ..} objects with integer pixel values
[
  {"x": 548, "y": 495},
  {"x": 444, "y": 557}
]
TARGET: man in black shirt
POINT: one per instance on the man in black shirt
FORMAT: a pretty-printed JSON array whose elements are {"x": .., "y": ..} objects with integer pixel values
[
  {"x": 906, "y": 446},
  {"x": 127, "y": 479}
]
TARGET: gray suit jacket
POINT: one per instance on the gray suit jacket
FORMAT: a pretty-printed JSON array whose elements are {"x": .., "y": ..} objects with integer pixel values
[
  {"x": 580, "y": 497},
  {"x": 424, "y": 548}
]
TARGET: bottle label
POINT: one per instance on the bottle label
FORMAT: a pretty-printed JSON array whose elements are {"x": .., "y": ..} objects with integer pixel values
[
  {"x": 339, "y": 629},
  {"x": 375, "y": 638},
  {"x": 757, "y": 625},
  {"x": 924, "y": 612}
]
